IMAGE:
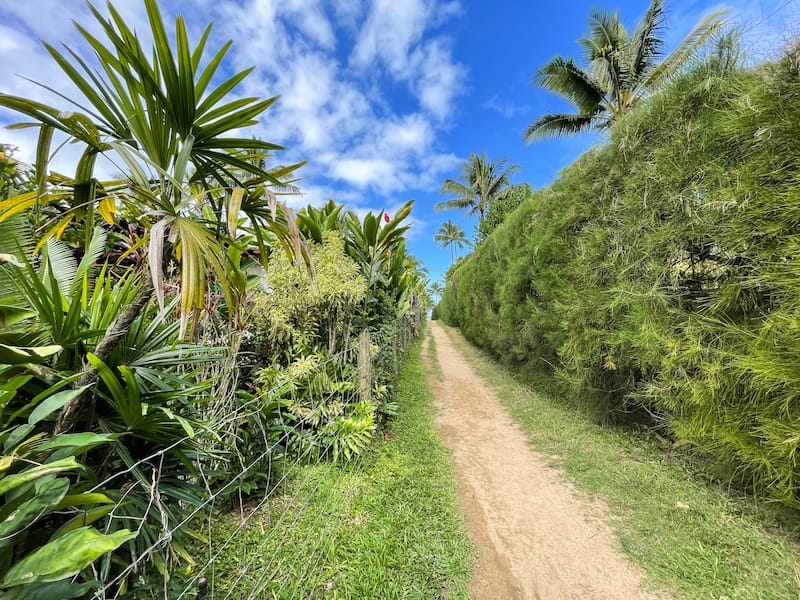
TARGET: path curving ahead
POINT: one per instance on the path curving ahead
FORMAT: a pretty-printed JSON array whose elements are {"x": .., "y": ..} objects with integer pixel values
[{"x": 535, "y": 536}]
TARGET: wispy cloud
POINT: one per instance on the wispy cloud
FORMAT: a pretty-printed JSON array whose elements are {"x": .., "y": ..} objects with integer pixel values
[
  {"x": 506, "y": 108},
  {"x": 393, "y": 40}
]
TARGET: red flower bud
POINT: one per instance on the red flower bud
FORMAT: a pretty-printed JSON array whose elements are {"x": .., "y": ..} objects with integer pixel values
[{"x": 386, "y": 217}]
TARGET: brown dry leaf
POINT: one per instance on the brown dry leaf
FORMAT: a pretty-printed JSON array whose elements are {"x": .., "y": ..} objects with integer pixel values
[
  {"x": 272, "y": 200},
  {"x": 294, "y": 233},
  {"x": 155, "y": 252},
  {"x": 234, "y": 206}
]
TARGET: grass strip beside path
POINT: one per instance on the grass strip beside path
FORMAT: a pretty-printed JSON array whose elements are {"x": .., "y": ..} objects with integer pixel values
[
  {"x": 692, "y": 539},
  {"x": 387, "y": 527}
]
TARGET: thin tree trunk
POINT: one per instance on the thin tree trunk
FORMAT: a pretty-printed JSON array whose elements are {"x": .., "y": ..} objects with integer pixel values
[{"x": 115, "y": 332}]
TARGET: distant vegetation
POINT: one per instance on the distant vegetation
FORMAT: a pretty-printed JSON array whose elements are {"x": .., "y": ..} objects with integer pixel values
[
  {"x": 657, "y": 277},
  {"x": 452, "y": 236}
]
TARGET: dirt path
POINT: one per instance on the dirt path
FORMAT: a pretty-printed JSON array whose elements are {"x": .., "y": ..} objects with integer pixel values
[{"x": 535, "y": 536}]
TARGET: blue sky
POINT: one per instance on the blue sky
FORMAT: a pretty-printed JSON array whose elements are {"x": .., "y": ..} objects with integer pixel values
[{"x": 383, "y": 98}]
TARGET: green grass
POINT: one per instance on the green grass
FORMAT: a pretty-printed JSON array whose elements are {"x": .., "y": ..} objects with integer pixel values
[
  {"x": 433, "y": 365},
  {"x": 387, "y": 526},
  {"x": 692, "y": 539}
]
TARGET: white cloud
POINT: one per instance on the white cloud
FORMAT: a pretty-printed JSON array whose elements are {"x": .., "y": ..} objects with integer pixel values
[
  {"x": 312, "y": 21},
  {"x": 335, "y": 65},
  {"x": 393, "y": 39},
  {"x": 439, "y": 79},
  {"x": 364, "y": 172},
  {"x": 349, "y": 14},
  {"x": 391, "y": 30}
]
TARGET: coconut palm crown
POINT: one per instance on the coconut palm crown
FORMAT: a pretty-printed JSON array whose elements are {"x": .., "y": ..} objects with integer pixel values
[
  {"x": 452, "y": 235},
  {"x": 482, "y": 181},
  {"x": 621, "y": 69}
]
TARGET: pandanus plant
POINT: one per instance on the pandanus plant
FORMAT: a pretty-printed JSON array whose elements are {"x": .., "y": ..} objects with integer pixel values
[{"x": 189, "y": 174}]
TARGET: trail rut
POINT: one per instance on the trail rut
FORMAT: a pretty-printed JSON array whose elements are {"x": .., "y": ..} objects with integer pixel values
[{"x": 536, "y": 537}]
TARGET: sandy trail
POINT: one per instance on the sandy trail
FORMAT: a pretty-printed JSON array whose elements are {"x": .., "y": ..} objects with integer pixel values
[{"x": 536, "y": 537}]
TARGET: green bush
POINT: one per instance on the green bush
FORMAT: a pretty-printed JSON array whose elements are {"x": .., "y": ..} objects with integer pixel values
[
  {"x": 298, "y": 310},
  {"x": 313, "y": 366},
  {"x": 657, "y": 276}
]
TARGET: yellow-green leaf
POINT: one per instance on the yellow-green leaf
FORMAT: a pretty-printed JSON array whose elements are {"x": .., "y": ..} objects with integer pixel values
[{"x": 65, "y": 557}]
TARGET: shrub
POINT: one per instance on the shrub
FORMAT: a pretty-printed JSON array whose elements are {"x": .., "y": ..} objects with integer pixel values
[
  {"x": 656, "y": 277},
  {"x": 295, "y": 309}
]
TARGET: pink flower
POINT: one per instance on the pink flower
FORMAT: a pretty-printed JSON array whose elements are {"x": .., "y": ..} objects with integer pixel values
[{"x": 386, "y": 217}]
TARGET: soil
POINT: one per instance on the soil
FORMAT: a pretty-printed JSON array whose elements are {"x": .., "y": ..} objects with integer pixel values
[{"x": 536, "y": 536}]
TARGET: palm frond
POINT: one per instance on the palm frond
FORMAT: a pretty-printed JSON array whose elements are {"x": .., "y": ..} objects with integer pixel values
[
  {"x": 702, "y": 32},
  {"x": 558, "y": 124},
  {"x": 647, "y": 41},
  {"x": 607, "y": 34},
  {"x": 61, "y": 263},
  {"x": 16, "y": 240},
  {"x": 621, "y": 69},
  {"x": 457, "y": 203},
  {"x": 92, "y": 254},
  {"x": 464, "y": 193},
  {"x": 565, "y": 78},
  {"x": 457, "y": 188}
]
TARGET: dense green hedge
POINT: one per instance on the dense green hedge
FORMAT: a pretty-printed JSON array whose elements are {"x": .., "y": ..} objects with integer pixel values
[{"x": 659, "y": 275}]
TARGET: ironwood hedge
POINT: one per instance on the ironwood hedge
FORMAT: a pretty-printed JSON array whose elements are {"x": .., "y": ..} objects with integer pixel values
[{"x": 659, "y": 275}]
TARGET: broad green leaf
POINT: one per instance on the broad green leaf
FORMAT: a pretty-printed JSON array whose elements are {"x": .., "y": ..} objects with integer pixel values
[
  {"x": 53, "y": 403},
  {"x": 86, "y": 517},
  {"x": 42, "y": 157},
  {"x": 16, "y": 436},
  {"x": 83, "y": 441},
  {"x": 108, "y": 377},
  {"x": 46, "y": 499},
  {"x": 370, "y": 229},
  {"x": 9, "y": 387},
  {"x": 11, "y": 482},
  {"x": 65, "y": 557},
  {"x": 18, "y": 355},
  {"x": 62, "y": 590},
  {"x": 81, "y": 499},
  {"x": 11, "y": 315}
]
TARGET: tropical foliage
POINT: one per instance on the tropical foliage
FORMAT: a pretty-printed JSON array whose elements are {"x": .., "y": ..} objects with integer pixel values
[
  {"x": 665, "y": 290},
  {"x": 188, "y": 177},
  {"x": 450, "y": 235},
  {"x": 621, "y": 69},
  {"x": 501, "y": 208},
  {"x": 435, "y": 290},
  {"x": 14, "y": 178},
  {"x": 147, "y": 368},
  {"x": 482, "y": 182}
]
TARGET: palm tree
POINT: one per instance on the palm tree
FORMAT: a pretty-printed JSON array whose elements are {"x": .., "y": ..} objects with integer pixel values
[
  {"x": 435, "y": 289},
  {"x": 621, "y": 69},
  {"x": 450, "y": 234},
  {"x": 482, "y": 181}
]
